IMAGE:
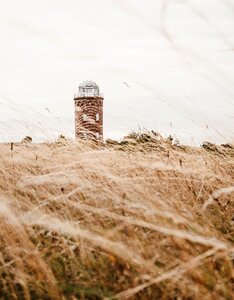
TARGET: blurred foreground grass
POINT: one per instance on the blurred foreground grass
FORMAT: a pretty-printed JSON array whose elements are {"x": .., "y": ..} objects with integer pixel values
[{"x": 144, "y": 218}]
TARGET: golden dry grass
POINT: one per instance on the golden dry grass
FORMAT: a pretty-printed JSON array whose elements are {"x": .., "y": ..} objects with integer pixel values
[{"x": 139, "y": 219}]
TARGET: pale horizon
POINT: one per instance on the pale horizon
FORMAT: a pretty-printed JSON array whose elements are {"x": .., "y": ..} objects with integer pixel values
[{"x": 165, "y": 66}]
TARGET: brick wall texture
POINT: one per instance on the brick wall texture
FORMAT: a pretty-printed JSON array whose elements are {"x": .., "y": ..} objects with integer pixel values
[{"x": 89, "y": 117}]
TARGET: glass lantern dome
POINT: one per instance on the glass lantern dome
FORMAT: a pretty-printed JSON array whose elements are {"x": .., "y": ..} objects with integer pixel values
[{"x": 89, "y": 89}]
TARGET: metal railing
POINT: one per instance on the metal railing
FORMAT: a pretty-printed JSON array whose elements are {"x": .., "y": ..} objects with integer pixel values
[{"x": 76, "y": 95}]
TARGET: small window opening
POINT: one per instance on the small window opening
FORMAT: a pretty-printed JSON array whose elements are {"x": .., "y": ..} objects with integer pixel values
[
  {"x": 84, "y": 117},
  {"x": 97, "y": 117},
  {"x": 97, "y": 135}
]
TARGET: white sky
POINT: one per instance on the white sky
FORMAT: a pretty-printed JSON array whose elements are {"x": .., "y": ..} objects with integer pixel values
[{"x": 166, "y": 65}]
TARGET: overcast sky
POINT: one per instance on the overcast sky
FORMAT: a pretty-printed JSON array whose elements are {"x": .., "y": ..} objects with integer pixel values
[{"x": 166, "y": 65}]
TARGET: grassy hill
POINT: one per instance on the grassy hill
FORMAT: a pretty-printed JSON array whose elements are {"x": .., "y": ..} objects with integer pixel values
[{"x": 140, "y": 219}]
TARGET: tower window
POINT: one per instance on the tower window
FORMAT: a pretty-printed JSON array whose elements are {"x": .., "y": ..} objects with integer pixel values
[
  {"x": 97, "y": 135},
  {"x": 84, "y": 117},
  {"x": 97, "y": 117}
]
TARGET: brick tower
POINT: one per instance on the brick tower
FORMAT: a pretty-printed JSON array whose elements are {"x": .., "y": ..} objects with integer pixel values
[{"x": 89, "y": 111}]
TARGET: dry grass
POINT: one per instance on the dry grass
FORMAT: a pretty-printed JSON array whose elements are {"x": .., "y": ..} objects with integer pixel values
[{"x": 139, "y": 219}]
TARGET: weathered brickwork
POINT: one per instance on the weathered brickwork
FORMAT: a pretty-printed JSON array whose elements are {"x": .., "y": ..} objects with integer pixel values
[{"x": 89, "y": 116}]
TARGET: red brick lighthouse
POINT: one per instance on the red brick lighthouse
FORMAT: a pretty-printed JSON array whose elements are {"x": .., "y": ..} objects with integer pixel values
[{"x": 89, "y": 111}]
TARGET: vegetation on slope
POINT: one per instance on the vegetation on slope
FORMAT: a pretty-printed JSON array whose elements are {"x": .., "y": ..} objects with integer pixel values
[{"x": 144, "y": 218}]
